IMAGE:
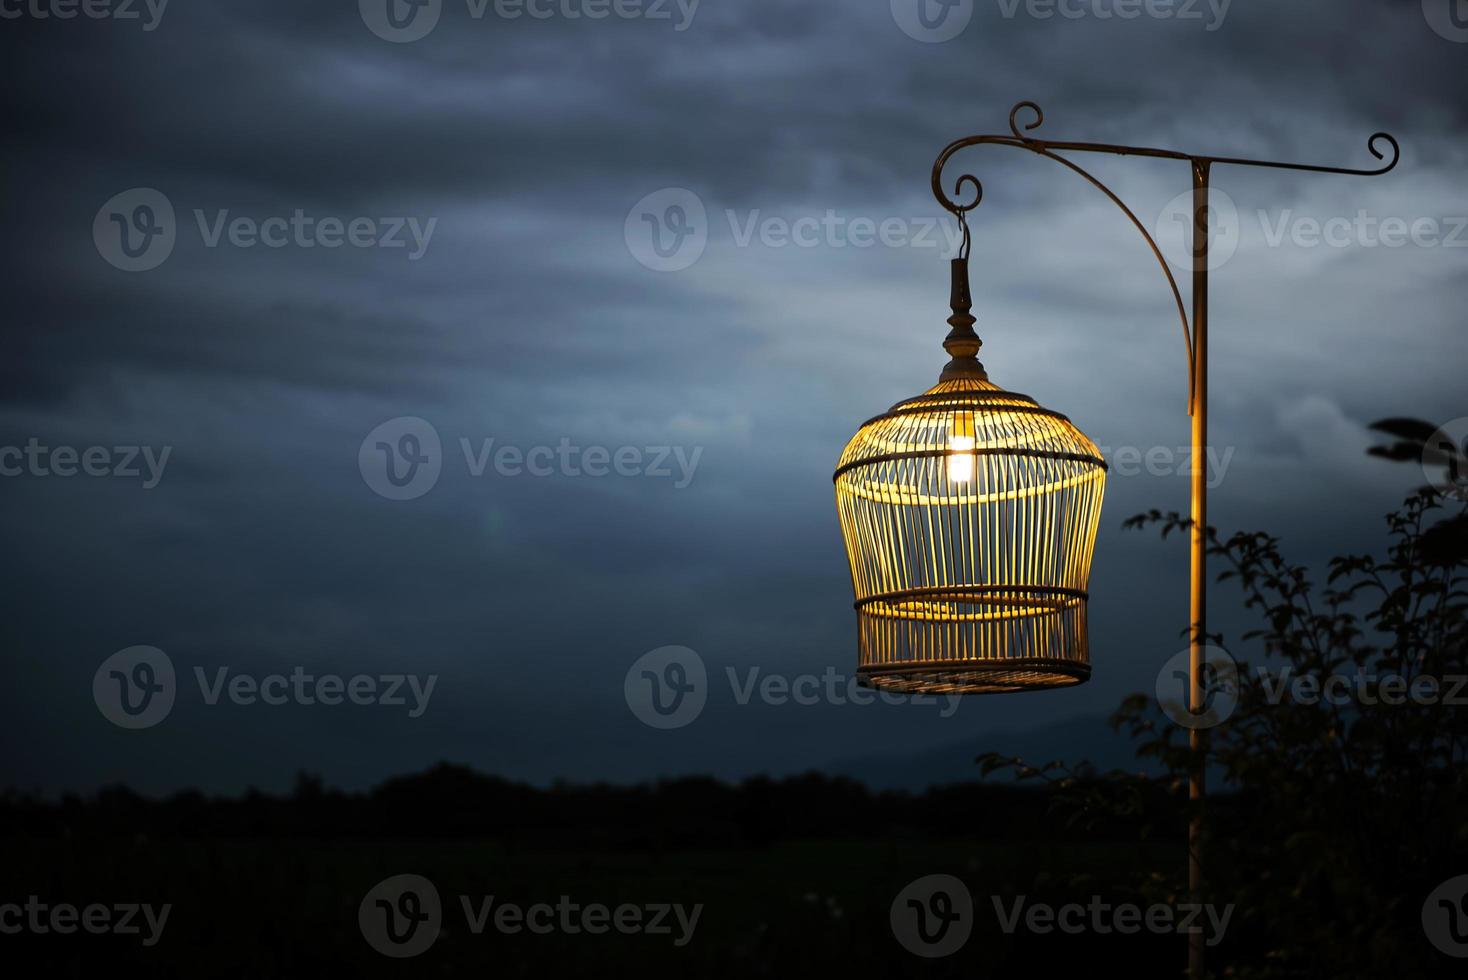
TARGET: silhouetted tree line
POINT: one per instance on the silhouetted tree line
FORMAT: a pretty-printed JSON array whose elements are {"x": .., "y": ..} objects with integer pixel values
[{"x": 454, "y": 802}]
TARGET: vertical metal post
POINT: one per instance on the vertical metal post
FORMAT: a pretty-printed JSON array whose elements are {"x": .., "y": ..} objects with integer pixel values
[
  {"x": 1197, "y": 635},
  {"x": 1197, "y": 331}
]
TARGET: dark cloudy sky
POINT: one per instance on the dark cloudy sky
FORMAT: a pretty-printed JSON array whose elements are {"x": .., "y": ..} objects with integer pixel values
[{"x": 529, "y": 319}]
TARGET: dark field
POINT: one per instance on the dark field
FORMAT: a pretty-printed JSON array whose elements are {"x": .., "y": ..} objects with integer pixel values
[
  {"x": 254, "y": 897},
  {"x": 289, "y": 908}
]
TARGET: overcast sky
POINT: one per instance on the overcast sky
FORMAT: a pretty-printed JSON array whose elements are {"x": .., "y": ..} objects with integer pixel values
[{"x": 449, "y": 220}]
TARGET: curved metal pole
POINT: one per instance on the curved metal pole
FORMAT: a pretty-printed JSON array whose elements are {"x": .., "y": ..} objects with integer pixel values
[
  {"x": 1151, "y": 242},
  {"x": 1048, "y": 148},
  {"x": 1196, "y": 338},
  {"x": 1038, "y": 147}
]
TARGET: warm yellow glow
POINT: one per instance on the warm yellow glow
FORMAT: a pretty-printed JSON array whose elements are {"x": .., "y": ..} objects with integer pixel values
[
  {"x": 961, "y": 442},
  {"x": 961, "y": 466},
  {"x": 966, "y": 579}
]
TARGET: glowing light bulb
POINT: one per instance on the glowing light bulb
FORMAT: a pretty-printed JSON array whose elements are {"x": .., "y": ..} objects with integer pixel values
[{"x": 961, "y": 443}]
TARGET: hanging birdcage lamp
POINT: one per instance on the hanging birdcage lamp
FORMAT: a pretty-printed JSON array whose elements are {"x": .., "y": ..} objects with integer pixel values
[{"x": 970, "y": 515}]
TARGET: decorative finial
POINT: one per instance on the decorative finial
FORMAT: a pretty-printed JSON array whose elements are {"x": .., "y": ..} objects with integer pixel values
[{"x": 962, "y": 344}]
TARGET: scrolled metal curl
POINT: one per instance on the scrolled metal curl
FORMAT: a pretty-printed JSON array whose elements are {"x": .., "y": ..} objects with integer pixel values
[
  {"x": 1396, "y": 152},
  {"x": 1033, "y": 107}
]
